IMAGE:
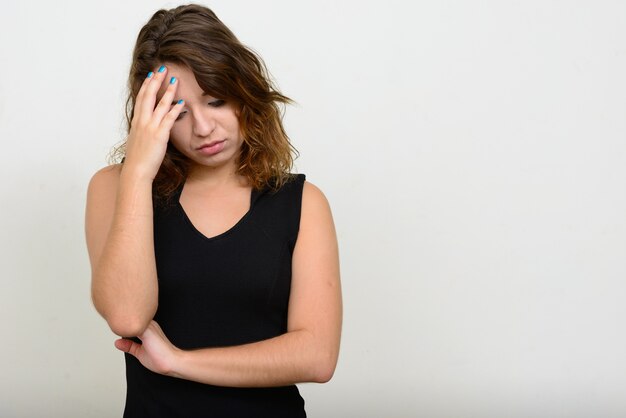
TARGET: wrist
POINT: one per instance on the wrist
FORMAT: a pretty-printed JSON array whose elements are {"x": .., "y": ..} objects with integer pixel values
[
  {"x": 134, "y": 174},
  {"x": 179, "y": 359}
]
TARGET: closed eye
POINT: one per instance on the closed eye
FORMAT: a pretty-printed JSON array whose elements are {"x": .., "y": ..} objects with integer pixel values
[
  {"x": 214, "y": 103},
  {"x": 180, "y": 115},
  {"x": 217, "y": 103}
]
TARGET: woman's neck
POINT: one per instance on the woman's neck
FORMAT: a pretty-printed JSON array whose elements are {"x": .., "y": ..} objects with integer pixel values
[{"x": 214, "y": 178}]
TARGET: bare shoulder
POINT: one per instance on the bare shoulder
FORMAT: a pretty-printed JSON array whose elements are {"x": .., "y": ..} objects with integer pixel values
[
  {"x": 105, "y": 178},
  {"x": 313, "y": 198},
  {"x": 315, "y": 214}
]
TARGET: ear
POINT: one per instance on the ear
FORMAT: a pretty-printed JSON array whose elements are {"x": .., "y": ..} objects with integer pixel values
[{"x": 239, "y": 111}]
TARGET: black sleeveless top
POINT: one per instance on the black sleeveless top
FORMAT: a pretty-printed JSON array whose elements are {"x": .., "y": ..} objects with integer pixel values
[{"x": 226, "y": 290}]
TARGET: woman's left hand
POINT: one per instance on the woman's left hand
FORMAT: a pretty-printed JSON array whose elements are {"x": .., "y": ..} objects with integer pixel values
[{"x": 155, "y": 352}]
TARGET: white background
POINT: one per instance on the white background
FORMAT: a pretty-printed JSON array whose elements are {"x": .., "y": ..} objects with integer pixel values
[{"x": 474, "y": 156}]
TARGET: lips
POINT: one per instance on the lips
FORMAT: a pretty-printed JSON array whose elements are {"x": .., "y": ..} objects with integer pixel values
[{"x": 212, "y": 147}]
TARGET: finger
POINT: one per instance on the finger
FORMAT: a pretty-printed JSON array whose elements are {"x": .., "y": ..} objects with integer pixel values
[
  {"x": 172, "y": 115},
  {"x": 139, "y": 100},
  {"x": 127, "y": 346},
  {"x": 165, "y": 104},
  {"x": 156, "y": 328},
  {"x": 142, "y": 88},
  {"x": 145, "y": 106}
]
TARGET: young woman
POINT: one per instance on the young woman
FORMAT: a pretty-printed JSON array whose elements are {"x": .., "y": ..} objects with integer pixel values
[{"x": 217, "y": 266}]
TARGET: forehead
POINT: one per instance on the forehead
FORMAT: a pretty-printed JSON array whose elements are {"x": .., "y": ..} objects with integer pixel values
[{"x": 187, "y": 88}]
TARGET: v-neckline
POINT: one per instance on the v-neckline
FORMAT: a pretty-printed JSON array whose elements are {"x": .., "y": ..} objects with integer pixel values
[{"x": 254, "y": 194}]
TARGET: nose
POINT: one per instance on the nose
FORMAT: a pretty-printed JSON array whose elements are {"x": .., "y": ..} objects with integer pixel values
[{"x": 203, "y": 124}]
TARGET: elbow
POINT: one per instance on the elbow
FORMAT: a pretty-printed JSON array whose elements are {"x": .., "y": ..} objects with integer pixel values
[
  {"x": 324, "y": 368},
  {"x": 128, "y": 326},
  {"x": 324, "y": 376},
  {"x": 124, "y": 324},
  {"x": 124, "y": 320},
  {"x": 321, "y": 358}
]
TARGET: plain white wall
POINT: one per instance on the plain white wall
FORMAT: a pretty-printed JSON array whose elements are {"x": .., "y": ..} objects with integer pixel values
[{"x": 474, "y": 156}]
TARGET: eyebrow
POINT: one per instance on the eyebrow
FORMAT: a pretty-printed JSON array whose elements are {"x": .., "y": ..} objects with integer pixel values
[{"x": 204, "y": 94}]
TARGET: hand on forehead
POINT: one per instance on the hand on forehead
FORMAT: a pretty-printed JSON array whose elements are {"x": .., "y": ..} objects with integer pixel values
[
  {"x": 187, "y": 88},
  {"x": 167, "y": 74}
]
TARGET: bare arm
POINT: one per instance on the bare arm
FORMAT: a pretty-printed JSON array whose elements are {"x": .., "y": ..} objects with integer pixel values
[
  {"x": 119, "y": 218},
  {"x": 118, "y": 227},
  {"x": 309, "y": 350}
]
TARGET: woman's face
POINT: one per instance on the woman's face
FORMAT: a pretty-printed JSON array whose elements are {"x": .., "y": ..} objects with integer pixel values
[{"x": 207, "y": 129}]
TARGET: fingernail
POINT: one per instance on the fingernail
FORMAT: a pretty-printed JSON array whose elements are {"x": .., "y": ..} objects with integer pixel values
[
  {"x": 162, "y": 68},
  {"x": 180, "y": 101},
  {"x": 150, "y": 74},
  {"x": 172, "y": 80}
]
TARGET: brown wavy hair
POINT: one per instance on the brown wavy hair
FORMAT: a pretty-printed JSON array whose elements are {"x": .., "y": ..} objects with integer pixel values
[{"x": 192, "y": 36}]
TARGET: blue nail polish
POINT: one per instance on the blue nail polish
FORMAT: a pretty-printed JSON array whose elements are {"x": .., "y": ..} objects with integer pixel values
[
  {"x": 150, "y": 74},
  {"x": 180, "y": 101},
  {"x": 162, "y": 68},
  {"x": 172, "y": 80}
]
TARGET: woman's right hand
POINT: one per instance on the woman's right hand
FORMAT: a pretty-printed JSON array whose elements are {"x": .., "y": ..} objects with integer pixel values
[{"x": 150, "y": 127}]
